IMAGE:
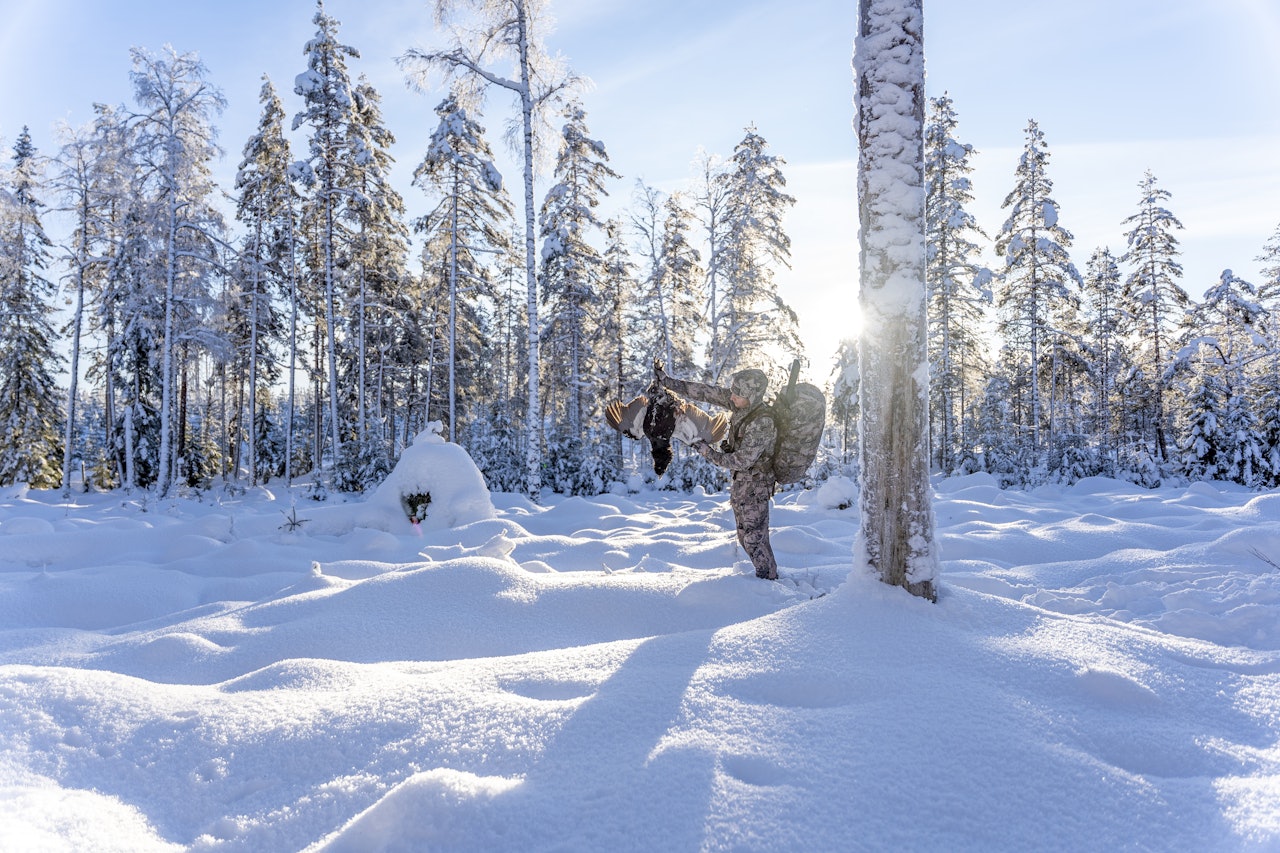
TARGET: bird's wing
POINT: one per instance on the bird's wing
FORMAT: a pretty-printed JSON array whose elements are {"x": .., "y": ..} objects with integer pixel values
[
  {"x": 719, "y": 427},
  {"x": 627, "y": 419},
  {"x": 694, "y": 425}
]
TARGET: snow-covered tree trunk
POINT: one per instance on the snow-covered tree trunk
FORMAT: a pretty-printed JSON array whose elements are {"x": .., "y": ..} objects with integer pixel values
[
  {"x": 453, "y": 307},
  {"x": 362, "y": 369},
  {"x": 78, "y": 184},
  {"x": 77, "y": 324},
  {"x": 331, "y": 327},
  {"x": 130, "y": 475},
  {"x": 290, "y": 240},
  {"x": 533, "y": 423},
  {"x": 256, "y": 249},
  {"x": 896, "y": 540},
  {"x": 167, "y": 456}
]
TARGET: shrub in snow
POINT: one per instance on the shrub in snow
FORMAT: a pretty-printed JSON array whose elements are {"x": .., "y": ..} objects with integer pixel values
[
  {"x": 837, "y": 493},
  {"x": 435, "y": 475}
]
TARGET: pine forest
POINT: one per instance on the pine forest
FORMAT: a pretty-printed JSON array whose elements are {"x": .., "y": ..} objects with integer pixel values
[{"x": 300, "y": 324}]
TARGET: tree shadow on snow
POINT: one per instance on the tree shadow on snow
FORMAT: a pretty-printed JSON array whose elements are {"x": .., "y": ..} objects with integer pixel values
[{"x": 599, "y": 785}]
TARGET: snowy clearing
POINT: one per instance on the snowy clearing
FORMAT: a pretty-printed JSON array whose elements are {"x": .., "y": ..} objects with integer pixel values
[{"x": 1101, "y": 672}]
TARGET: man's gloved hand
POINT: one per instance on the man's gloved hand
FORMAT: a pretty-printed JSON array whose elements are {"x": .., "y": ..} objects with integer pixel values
[{"x": 701, "y": 448}]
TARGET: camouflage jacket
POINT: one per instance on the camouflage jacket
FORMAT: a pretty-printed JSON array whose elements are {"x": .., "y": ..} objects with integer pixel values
[{"x": 753, "y": 450}]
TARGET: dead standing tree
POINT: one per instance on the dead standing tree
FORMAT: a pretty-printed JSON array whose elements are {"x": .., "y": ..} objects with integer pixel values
[{"x": 896, "y": 540}]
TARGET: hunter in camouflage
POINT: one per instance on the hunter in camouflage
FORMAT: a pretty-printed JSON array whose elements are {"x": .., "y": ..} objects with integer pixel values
[{"x": 749, "y": 456}]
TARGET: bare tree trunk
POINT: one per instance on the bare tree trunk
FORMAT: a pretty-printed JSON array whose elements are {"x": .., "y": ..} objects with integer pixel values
[
  {"x": 165, "y": 478},
  {"x": 331, "y": 322},
  {"x": 533, "y": 427},
  {"x": 76, "y": 325},
  {"x": 453, "y": 305},
  {"x": 896, "y": 540},
  {"x": 293, "y": 355},
  {"x": 253, "y": 356},
  {"x": 180, "y": 445}
]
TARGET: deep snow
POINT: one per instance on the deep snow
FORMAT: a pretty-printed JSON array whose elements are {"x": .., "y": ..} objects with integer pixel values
[{"x": 1101, "y": 672}]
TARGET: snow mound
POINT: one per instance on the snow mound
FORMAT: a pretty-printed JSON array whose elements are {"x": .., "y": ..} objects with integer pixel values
[
  {"x": 433, "y": 810},
  {"x": 430, "y": 466}
]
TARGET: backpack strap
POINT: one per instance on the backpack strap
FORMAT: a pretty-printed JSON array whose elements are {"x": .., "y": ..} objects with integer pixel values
[{"x": 760, "y": 410}]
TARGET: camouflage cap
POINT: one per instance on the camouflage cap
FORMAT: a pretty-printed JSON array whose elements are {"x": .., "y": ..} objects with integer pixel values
[{"x": 750, "y": 384}]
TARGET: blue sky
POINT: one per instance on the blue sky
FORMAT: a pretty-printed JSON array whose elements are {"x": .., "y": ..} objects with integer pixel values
[{"x": 1189, "y": 89}]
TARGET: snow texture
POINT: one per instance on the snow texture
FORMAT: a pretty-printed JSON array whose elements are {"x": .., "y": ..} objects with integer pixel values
[
  {"x": 1101, "y": 672},
  {"x": 889, "y": 60}
]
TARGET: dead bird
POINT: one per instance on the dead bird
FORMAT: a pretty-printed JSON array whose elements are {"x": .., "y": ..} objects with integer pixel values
[{"x": 661, "y": 415}]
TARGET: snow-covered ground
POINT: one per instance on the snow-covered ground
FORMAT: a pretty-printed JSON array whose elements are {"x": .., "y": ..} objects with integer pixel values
[{"x": 1101, "y": 672}]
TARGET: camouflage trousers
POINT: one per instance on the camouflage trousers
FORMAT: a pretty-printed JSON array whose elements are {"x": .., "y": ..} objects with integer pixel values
[{"x": 749, "y": 496}]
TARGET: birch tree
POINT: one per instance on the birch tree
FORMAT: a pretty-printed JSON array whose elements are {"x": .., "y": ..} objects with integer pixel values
[
  {"x": 896, "y": 537},
  {"x": 123, "y": 252},
  {"x": 514, "y": 31},
  {"x": 711, "y": 199},
  {"x": 656, "y": 333},
  {"x": 669, "y": 303},
  {"x": 83, "y": 181},
  {"x": 679, "y": 279}
]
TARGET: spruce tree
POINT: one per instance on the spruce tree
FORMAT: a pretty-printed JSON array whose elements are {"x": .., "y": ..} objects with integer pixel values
[
  {"x": 1269, "y": 371},
  {"x": 1105, "y": 349},
  {"x": 328, "y": 101},
  {"x": 132, "y": 317},
  {"x": 266, "y": 208},
  {"x": 1222, "y": 345},
  {"x": 958, "y": 286},
  {"x": 572, "y": 270},
  {"x": 617, "y": 291},
  {"x": 1202, "y": 435},
  {"x": 1154, "y": 298},
  {"x": 844, "y": 402},
  {"x": 1002, "y": 453},
  {"x": 30, "y": 413},
  {"x": 379, "y": 257},
  {"x": 752, "y": 316},
  {"x": 1038, "y": 287},
  {"x": 467, "y": 221}
]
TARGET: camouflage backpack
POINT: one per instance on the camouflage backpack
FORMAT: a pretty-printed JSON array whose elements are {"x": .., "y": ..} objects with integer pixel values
[{"x": 799, "y": 413}]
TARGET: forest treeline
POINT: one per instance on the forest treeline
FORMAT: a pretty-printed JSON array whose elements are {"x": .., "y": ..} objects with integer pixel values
[{"x": 312, "y": 328}]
